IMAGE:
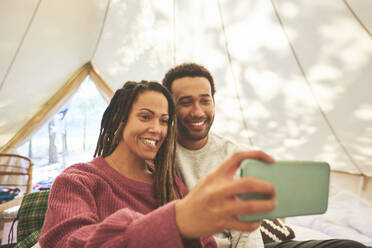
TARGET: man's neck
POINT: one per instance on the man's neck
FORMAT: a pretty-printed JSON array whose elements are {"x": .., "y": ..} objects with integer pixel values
[{"x": 192, "y": 144}]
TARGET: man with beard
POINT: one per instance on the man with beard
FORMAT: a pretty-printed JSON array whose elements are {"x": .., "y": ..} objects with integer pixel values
[{"x": 200, "y": 151}]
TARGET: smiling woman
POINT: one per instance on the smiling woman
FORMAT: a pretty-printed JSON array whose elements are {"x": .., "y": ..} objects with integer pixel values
[
  {"x": 147, "y": 125},
  {"x": 121, "y": 185},
  {"x": 133, "y": 120}
]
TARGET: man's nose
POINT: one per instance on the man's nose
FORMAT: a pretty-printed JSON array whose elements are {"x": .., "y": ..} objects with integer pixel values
[{"x": 197, "y": 111}]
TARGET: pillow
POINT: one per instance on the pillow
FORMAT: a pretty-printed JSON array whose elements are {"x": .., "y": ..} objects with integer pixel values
[{"x": 275, "y": 231}]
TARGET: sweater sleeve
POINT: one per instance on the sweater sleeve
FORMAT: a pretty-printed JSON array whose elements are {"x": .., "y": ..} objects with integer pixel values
[{"x": 72, "y": 221}]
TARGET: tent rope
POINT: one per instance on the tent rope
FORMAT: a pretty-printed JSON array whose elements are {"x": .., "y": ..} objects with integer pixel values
[
  {"x": 20, "y": 45},
  {"x": 101, "y": 31},
  {"x": 343, "y": 147},
  {"x": 229, "y": 60},
  {"x": 357, "y": 18},
  {"x": 174, "y": 34}
]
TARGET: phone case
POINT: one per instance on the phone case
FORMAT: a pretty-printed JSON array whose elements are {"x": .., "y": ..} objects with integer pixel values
[{"x": 301, "y": 187}]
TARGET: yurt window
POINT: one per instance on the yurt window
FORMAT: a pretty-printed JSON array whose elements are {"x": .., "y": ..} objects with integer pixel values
[{"x": 70, "y": 136}]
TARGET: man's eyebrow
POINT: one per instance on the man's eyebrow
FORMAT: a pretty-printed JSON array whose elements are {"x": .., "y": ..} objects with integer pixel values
[
  {"x": 190, "y": 97},
  {"x": 184, "y": 97},
  {"x": 205, "y": 95}
]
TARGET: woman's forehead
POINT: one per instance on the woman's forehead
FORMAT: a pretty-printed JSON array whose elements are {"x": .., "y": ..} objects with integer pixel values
[{"x": 152, "y": 100}]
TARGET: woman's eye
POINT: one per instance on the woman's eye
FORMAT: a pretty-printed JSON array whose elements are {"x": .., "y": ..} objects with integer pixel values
[
  {"x": 165, "y": 121},
  {"x": 145, "y": 117}
]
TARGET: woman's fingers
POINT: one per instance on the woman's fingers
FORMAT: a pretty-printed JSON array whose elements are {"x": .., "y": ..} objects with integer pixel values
[
  {"x": 249, "y": 207},
  {"x": 213, "y": 204},
  {"x": 230, "y": 166}
]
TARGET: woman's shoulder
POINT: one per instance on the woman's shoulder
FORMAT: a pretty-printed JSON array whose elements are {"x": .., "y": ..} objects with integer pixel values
[
  {"x": 84, "y": 171},
  {"x": 83, "y": 167}
]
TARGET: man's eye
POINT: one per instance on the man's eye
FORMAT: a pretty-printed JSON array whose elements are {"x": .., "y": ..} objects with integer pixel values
[
  {"x": 205, "y": 101},
  {"x": 184, "y": 103}
]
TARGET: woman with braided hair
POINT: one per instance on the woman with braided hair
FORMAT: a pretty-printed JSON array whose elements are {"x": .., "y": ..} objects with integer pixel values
[{"x": 129, "y": 195}]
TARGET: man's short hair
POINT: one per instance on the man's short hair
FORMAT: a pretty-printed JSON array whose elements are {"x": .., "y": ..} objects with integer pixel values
[{"x": 188, "y": 70}]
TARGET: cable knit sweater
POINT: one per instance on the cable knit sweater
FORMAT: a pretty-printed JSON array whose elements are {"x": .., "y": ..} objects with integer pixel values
[{"x": 92, "y": 205}]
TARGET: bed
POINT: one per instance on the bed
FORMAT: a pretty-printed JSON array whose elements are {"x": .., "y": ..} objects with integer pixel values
[{"x": 348, "y": 217}]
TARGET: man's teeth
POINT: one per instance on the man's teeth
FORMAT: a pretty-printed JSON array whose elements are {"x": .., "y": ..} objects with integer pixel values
[
  {"x": 198, "y": 124},
  {"x": 150, "y": 142}
]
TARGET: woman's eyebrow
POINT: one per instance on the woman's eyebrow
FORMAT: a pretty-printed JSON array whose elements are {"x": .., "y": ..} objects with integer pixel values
[
  {"x": 152, "y": 112},
  {"x": 147, "y": 109}
]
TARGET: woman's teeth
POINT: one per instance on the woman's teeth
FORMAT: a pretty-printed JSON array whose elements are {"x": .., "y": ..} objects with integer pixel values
[{"x": 149, "y": 142}]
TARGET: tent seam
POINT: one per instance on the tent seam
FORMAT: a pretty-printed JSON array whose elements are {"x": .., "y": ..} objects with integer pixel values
[
  {"x": 357, "y": 18},
  {"x": 333, "y": 131},
  {"x": 101, "y": 31},
  {"x": 20, "y": 45},
  {"x": 229, "y": 60}
]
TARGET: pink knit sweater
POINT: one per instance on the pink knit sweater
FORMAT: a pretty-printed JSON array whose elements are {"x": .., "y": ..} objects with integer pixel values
[{"x": 92, "y": 205}]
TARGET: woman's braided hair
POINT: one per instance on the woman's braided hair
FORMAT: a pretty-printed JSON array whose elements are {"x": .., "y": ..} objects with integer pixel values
[{"x": 113, "y": 123}]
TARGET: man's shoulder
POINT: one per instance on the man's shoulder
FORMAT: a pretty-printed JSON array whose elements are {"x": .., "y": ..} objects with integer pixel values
[
  {"x": 221, "y": 140},
  {"x": 220, "y": 137}
]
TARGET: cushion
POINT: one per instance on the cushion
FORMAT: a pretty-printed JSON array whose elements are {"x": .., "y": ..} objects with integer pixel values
[
  {"x": 31, "y": 214},
  {"x": 30, "y": 240},
  {"x": 275, "y": 231}
]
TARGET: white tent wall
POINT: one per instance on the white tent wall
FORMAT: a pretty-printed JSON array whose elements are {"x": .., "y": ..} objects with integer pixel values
[
  {"x": 280, "y": 108},
  {"x": 281, "y": 112},
  {"x": 136, "y": 42}
]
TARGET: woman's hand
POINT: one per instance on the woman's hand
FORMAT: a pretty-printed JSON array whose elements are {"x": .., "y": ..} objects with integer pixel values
[{"x": 213, "y": 206}]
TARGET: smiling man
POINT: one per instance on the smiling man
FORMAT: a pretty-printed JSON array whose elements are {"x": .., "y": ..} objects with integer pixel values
[
  {"x": 200, "y": 151},
  {"x": 195, "y": 110}
]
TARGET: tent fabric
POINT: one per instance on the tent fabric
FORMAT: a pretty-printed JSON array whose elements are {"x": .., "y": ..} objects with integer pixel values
[{"x": 43, "y": 43}]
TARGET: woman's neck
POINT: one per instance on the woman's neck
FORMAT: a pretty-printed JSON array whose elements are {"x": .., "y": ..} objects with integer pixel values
[{"x": 132, "y": 167}]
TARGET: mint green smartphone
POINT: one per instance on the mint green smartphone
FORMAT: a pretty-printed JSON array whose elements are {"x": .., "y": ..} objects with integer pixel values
[{"x": 301, "y": 187}]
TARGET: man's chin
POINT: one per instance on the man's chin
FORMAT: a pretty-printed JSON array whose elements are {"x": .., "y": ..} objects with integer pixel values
[{"x": 193, "y": 136}]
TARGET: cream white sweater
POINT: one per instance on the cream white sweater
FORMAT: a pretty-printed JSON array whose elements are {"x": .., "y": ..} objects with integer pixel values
[{"x": 196, "y": 164}]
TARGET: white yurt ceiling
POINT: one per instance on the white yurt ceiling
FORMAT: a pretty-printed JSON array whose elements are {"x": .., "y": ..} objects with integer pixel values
[{"x": 293, "y": 78}]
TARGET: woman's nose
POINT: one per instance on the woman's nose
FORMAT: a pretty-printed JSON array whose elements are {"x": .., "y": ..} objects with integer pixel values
[{"x": 155, "y": 127}]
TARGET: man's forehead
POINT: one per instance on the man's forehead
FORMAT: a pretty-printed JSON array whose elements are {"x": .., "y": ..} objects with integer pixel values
[{"x": 191, "y": 86}]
